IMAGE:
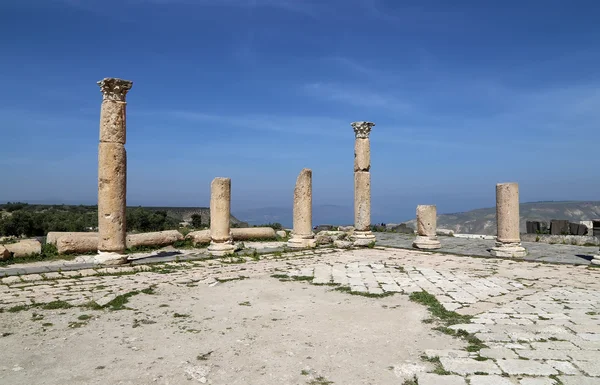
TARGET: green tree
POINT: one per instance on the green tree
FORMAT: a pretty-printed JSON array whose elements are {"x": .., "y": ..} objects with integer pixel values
[{"x": 196, "y": 221}]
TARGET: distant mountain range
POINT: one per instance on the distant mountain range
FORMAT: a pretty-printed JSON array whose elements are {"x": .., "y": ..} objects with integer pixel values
[
  {"x": 483, "y": 221},
  {"x": 322, "y": 214}
]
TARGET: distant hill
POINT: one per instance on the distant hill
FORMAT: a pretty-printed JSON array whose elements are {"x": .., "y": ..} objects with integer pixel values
[
  {"x": 483, "y": 221},
  {"x": 322, "y": 214},
  {"x": 185, "y": 214}
]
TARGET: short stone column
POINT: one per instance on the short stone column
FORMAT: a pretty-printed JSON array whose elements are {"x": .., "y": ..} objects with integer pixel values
[
  {"x": 221, "y": 240},
  {"x": 362, "y": 184},
  {"x": 508, "y": 242},
  {"x": 112, "y": 171},
  {"x": 426, "y": 228},
  {"x": 302, "y": 234}
]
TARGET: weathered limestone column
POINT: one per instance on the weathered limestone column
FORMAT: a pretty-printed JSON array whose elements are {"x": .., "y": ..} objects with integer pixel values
[
  {"x": 112, "y": 171},
  {"x": 302, "y": 234},
  {"x": 221, "y": 241},
  {"x": 508, "y": 242},
  {"x": 426, "y": 228},
  {"x": 362, "y": 184}
]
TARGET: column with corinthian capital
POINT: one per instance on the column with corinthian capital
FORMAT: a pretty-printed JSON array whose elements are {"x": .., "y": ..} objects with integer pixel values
[
  {"x": 112, "y": 171},
  {"x": 362, "y": 184}
]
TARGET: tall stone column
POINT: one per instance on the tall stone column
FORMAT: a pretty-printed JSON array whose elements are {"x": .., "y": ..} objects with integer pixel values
[
  {"x": 508, "y": 242},
  {"x": 362, "y": 184},
  {"x": 302, "y": 234},
  {"x": 221, "y": 241},
  {"x": 426, "y": 228},
  {"x": 112, "y": 171}
]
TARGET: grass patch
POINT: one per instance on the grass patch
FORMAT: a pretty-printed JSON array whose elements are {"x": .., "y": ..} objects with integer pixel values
[
  {"x": 119, "y": 302},
  {"x": 54, "y": 305},
  {"x": 84, "y": 317},
  {"x": 245, "y": 303},
  {"x": 437, "y": 309},
  {"x": 439, "y": 369},
  {"x": 148, "y": 290},
  {"x": 346, "y": 289},
  {"x": 179, "y": 315},
  {"x": 411, "y": 381},
  {"x": 18, "y": 308},
  {"x": 47, "y": 324}
]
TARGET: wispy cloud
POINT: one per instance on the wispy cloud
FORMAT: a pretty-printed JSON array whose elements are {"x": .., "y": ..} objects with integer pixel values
[
  {"x": 297, "y": 125},
  {"x": 357, "y": 96}
]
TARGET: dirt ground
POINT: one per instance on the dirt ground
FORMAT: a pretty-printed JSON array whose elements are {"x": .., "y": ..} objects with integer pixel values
[{"x": 253, "y": 331}]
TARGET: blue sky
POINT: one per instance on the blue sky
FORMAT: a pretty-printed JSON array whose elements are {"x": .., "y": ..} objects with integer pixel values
[{"x": 464, "y": 94}]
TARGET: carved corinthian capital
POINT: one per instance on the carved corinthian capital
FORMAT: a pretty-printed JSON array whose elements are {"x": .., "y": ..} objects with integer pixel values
[
  {"x": 362, "y": 129},
  {"x": 114, "y": 89}
]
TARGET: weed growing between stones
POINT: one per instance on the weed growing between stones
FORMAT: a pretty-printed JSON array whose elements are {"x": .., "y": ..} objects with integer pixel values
[
  {"x": 447, "y": 318},
  {"x": 439, "y": 369},
  {"x": 223, "y": 280},
  {"x": 346, "y": 289},
  {"x": 437, "y": 309}
]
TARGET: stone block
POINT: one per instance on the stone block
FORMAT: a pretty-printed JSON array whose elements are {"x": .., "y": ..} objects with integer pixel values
[
  {"x": 158, "y": 238},
  {"x": 559, "y": 227},
  {"x": 77, "y": 243},
  {"x": 112, "y": 190},
  {"x": 251, "y": 233},
  {"x": 464, "y": 366},
  {"x": 435, "y": 379},
  {"x": 324, "y": 228},
  {"x": 199, "y": 237},
  {"x": 489, "y": 380},
  {"x": 4, "y": 253},
  {"x": 526, "y": 367},
  {"x": 533, "y": 227},
  {"x": 24, "y": 248}
]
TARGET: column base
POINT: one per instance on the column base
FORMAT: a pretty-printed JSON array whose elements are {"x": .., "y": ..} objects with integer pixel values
[
  {"x": 301, "y": 243},
  {"x": 110, "y": 258},
  {"x": 426, "y": 243},
  {"x": 363, "y": 238},
  {"x": 221, "y": 249},
  {"x": 509, "y": 250}
]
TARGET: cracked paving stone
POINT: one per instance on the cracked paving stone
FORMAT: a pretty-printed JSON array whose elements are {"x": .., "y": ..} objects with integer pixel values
[
  {"x": 489, "y": 380},
  {"x": 526, "y": 367},
  {"x": 435, "y": 379},
  {"x": 464, "y": 366}
]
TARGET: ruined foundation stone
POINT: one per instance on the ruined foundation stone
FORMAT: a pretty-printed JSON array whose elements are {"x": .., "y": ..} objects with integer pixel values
[
  {"x": 508, "y": 241},
  {"x": 302, "y": 234},
  {"x": 220, "y": 207},
  {"x": 156, "y": 238},
  {"x": 362, "y": 235},
  {"x": 77, "y": 243},
  {"x": 426, "y": 228},
  {"x": 112, "y": 171},
  {"x": 4, "y": 253},
  {"x": 24, "y": 248},
  {"x": 253, "y": 233}
]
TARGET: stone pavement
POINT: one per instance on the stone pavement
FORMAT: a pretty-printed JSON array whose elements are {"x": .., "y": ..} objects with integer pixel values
[
  {"x": 541, "y": 252},
  {"x": 540, "y": 323}
]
